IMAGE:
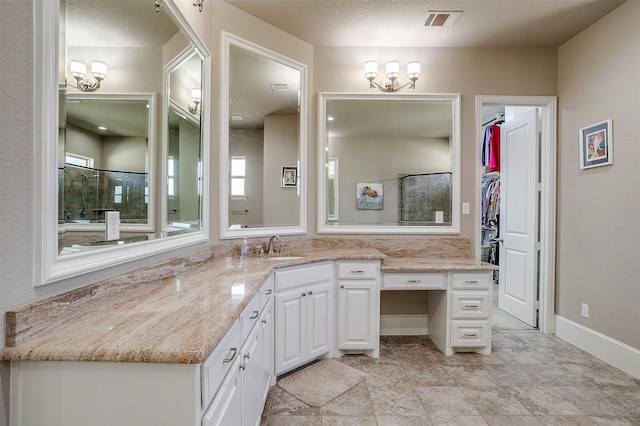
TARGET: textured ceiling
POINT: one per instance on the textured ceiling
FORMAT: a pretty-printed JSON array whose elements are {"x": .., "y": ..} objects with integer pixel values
[{"x": 400, "y": 23}]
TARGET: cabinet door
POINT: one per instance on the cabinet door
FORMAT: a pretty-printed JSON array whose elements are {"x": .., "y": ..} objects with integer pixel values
[
  {"x": 357, "y": 314},
  {"x": 290, "y": 329},
  {"x": 267, "y": 350},
  {"x": 319, "y": 300},
  {"x": 226, "y": 408},
  {"x": 252, "y": 379}
]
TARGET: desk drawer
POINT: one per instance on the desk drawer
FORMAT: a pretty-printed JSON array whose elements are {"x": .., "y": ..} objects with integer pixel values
[
  {"x": 414, "y": 281},
  {"x": 470, "y": 305},
  {"x": 216, "y": 366},
  {"x": 475, "y": 280},
  {"x": 357, "y": 270},
  {"x": 475, "y": 334}
]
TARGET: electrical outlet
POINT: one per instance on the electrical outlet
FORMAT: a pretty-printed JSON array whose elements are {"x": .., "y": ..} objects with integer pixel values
[
  {"x": 112, "y": 225},
  {"x": 585, "y": 310}
]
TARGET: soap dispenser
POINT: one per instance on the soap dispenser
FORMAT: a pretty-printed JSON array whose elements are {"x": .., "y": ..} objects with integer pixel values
[{"x": 244, "y": 249}]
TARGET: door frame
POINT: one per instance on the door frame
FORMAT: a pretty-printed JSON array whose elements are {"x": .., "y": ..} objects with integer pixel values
[{"x": 548, "y": 176}]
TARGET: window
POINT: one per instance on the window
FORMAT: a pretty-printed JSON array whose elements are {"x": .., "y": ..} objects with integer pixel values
[
  {"x": 171, "y": 181},
  {"x": 238, "y": 176},
  {"x": 78, "y": 160}
]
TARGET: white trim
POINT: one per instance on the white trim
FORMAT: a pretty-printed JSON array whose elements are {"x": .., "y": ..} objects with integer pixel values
[
  {"x": 403, "y": 325},
  {"x": 548, "y": 104},
  {"x": 612, "y": 351},
  {"x": 323, "y": 226},
  {"x": 226, "y": 41}
]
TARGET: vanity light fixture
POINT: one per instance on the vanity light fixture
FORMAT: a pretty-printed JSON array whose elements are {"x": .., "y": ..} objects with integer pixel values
[
  {"x": 196, "y": 96},
  {"x": 79, "y": 72},
  {"x": 198, "y": 4},
  {"x": 392, "y": 73}
]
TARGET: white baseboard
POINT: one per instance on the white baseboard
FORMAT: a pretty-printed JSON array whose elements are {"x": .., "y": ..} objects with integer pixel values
[
  {"x": 403, "y": 325},
  {"x": 614, "y": 352}
]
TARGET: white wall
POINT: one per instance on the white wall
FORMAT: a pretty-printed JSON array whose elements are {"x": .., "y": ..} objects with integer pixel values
[{"x": 598, "y": 249}]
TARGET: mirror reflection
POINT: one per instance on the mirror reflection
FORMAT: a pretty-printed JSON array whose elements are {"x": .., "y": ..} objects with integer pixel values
[
  {"x": 108, "y": 143},
  {"x": 389, "y": 163},
  {"x": 262, "y": 184}
]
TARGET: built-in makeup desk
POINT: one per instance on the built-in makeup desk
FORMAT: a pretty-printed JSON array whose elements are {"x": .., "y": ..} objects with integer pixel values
[{"x": 459, "y": 299}]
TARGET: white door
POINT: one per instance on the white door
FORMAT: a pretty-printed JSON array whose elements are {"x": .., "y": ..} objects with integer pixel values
[
  {"x": 290, "y": 330},
  {"x": 319, "y": 319},
  {"x": 518, "y": 217},
  {"x": 356, "y": 325}
]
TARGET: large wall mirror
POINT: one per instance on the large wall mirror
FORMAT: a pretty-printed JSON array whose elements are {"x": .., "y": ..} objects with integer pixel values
[
  {"x": 103, "y": 119},
  {"x": 263, "y": 144},
  {"x": 389, "y": 163}
]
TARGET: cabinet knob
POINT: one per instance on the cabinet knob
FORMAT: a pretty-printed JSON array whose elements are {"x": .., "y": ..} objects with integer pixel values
[
  {"x": 341, "y": 285},
  {"x": 304, "y": 294},
  {"x": 242, "y": 367},
  {"x": 247, "y": 355},
  {"x": 310, "y": 291}
]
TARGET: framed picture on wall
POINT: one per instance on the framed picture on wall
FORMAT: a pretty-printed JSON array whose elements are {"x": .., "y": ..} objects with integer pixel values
[
  {"x": 369, "y": 196},
  {"x": 289, "y": 176},
  {"x": 596, "y": 145}
]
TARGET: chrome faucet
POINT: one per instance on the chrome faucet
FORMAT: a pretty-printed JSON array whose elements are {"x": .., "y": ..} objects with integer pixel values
[{"x": 270, "y": 245}]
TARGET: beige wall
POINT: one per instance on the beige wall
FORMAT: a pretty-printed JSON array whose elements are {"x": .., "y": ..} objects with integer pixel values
[{"x": 598, "y": 249}]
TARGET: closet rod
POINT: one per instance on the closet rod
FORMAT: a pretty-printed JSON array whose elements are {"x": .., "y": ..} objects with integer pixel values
[{"x": 499, "y": 117}]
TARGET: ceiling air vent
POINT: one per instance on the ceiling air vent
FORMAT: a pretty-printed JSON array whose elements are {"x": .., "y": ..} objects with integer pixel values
[
  {"x": 279, "y": 87},
  {"x": 441, "y": 18}
]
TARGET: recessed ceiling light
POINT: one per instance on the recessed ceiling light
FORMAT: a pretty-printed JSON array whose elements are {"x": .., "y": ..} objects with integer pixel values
[{"x": 102, "y": 128}]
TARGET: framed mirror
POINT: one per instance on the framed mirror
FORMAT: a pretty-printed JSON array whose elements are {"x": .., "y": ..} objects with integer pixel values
[
  {"x": 389, "y": 164},
  {"x": 263, "y": 144},
  {"x": 127, "y": 45}
]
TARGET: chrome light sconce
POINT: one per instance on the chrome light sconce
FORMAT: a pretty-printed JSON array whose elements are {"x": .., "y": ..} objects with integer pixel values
[
  {"x": 391, "y": 84},
  {"x": 199, "y": 4},
  {"x": 194, "y": 106},
  {"x": 79, "y": 72}
]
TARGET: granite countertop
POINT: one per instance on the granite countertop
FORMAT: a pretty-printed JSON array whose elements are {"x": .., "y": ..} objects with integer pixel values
[
  {"x": 417, "y": 264},
  {"x": 176, "y": 320}
]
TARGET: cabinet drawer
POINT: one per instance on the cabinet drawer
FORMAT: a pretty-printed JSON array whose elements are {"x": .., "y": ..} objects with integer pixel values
[
  {"x": 477, "y": 280},
  {"x": 358, "y": 270},
  {"x": 266, "y": 291},
  {"x": 249, "y": 316},
  {"x": 470, "y": 333},
  {"x": 300, "y": 276},
  {"x": 416, "y": 281},
  {"x": 215, "y": 368},
  {"x": 470, "y": 305}
]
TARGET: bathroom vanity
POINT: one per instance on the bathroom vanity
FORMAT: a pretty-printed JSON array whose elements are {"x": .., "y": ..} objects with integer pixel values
[{"x": 205, "y": 346}]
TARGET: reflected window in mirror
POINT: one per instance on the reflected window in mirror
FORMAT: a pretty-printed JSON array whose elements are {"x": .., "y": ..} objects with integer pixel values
[
  {"x": 265, "y": 132},
  {"x": 389, "y": 164}
]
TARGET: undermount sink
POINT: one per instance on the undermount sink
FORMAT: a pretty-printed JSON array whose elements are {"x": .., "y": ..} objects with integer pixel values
[{"x": 285, "y": 258}]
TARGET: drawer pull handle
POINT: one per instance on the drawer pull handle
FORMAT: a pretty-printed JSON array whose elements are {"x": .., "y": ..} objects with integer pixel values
[
  {"x": 254, "y": 315},
  {"x": 242, "y": 366},
  {"x": 269, "y": 292},
  {"x": 471, "y": 306},
  {"x": 413, "y": 281},
  {"x": 357, "y": 272},
  {"x": 470, "y": 334},
  {"x": 232, "y": 357},
  {"x": 264, "y": 321},
  {"x": 247, "y": 355},
  {"x": 471, "y": 281},
  {"x": 341, "y": 285}
]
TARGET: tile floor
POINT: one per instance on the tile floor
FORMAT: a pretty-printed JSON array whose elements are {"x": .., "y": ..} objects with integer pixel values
[{"x": 530, "y": 379}]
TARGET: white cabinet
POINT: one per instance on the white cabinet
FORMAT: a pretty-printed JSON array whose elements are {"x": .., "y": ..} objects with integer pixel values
[
  {"x": 241, "y": 397},
  {"x": 304, "y": 315},
  {"x": 358, "y": 311},
  {"x": 470, "y": 311}
]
